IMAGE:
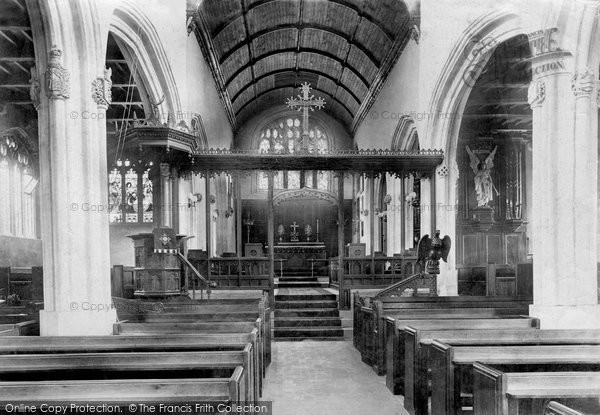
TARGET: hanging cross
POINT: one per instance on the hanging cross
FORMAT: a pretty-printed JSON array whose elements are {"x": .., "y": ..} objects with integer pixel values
[
  {"x": 304, "y": 103},
  {"x": 294, "y": 226}
]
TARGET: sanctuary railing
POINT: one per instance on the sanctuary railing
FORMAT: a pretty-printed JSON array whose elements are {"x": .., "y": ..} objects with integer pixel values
[
  {"x": 237, "y": 273},
  {"x": 368, "y": 272}
]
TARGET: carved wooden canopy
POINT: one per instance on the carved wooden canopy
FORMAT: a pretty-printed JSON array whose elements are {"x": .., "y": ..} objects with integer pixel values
[{"x": 181, "y": 149}]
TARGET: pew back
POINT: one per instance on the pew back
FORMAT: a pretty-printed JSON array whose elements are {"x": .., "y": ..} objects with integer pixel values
[
  {"x": 125, "y": 391},
  {"x": 498, "y": 393}
]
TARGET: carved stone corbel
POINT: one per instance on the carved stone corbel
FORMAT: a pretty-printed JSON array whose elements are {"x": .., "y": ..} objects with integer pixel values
[
  {"x": 583, "y": 82},
  {"x": 101, "y": 89},
  {"x": 536, "y": 94},
  {"x": 415, "y": 33},
  {"x": 58, "y": 79},
  {"x": 35, "y": 88}
]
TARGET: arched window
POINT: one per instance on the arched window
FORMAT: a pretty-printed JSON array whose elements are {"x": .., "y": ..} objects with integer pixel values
[
  {"x": 285, "y": 137},
  {"x": 130, "y": 193},
  {"x": 18, "y": 184}
]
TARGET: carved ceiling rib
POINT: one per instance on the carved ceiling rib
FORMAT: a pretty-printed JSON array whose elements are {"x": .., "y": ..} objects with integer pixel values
[{"x": 347, "y": 46}]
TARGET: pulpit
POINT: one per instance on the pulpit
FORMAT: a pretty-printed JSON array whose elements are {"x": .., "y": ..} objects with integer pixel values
[{"x": 157, "y": 270}]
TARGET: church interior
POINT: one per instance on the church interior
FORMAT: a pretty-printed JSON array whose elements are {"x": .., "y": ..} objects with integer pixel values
[{"x": 300, "y": 206}]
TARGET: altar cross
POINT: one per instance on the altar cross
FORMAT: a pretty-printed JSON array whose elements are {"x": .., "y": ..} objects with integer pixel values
[
  {"x": 294, "y": 226},
  {"x": 304, "y": 103}
]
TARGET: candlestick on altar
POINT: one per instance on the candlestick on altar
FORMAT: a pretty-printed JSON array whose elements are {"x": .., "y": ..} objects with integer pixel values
[{"x": 317, "y": 230}]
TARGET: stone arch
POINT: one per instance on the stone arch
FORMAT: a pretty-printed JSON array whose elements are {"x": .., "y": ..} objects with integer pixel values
[
  {"x": 405, "y": 134},
  {"x": 463, "y": 67},
  {"x": 142, "y": 47}
]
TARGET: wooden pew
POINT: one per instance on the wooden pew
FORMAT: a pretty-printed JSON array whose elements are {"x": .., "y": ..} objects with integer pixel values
[
  {"x": 150, "y": 343},
  {"x": 373, "y": 339},
  {"x": 376, "y": 346},
  {"x": 417, "y": 346},
  {"x": 398, "y": 306},
  {"x": 395, "y": 339},
  {"x": 143, "y": 329},
  {"x": 366, "y": 309},
  {"x": 503, "y": 393},
  {"x": 126, "y": 391},
  {"x": 177, "y": 327},
  {"x": 45, "y": 367},
  {"x": 555, "y": 408},
  {"x": 26, "y": 328},
  {"x": 202, "y": 310},
  {"x": 450, "y": 365}
]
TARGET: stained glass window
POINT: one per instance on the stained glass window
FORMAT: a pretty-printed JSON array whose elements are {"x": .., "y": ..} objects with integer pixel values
[
  {"x": 309, "y": 179},
  {"x": 131, "y": 198},
  {"x": 115, "y": 190},
  {"x": 130, "y": 194},
  {"x": 285, "y": 136},
  {"x": 147, "y": 198},
  {"x": 323, "y": 180},
  {"x": 278, "y": 181},
  {"x": 293, "y": 180}
]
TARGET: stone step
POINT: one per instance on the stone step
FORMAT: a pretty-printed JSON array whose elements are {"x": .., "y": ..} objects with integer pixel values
[
  {"x": 292, "y": 279},
  {"x": 308, "y": 322},
  {"x": 325, "y": 331},
  {"x": 282, "y": 305},
  {"x": 311, "y": 339},
  {"x": 305, "y": 297},
  {"x": 300, "y": 284},
  {"x": 310, "y": 312}
]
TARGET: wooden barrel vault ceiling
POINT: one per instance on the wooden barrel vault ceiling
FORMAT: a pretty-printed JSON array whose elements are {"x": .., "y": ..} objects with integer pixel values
[{"x": 260, "y": 51}]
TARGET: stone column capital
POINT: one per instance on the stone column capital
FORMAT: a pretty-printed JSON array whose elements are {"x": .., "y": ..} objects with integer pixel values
[
  {"x": 536, "y": 94},
  {"x": 583, "y": 82}
]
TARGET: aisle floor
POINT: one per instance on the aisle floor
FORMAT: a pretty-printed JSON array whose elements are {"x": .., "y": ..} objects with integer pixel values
[{"x": 325, "y": 378}]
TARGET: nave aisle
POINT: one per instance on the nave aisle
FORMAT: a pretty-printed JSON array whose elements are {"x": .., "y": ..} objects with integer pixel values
[{"x": 325, "y": 378}]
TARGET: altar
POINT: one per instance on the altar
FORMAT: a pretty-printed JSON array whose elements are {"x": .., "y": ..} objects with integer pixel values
[{"x": 297, "y": 255}]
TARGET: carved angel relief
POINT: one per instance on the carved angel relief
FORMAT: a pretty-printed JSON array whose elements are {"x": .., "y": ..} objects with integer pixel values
[
  {"x": 484, "y": 187},
  {"x": 57, "y": 77}
]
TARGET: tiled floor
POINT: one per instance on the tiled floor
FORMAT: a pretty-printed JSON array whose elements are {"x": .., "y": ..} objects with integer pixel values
[{"x": 325, "y": 378}]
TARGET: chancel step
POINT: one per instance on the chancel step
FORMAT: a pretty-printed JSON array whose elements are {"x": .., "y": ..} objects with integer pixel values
[
  {"x": 308, "y": 332},
  {"x": 307, "y": 314},
  {"x": 306, "y": 304},
  {"x": 312, "y": 313},
  {"x": 307, "y": 322}
]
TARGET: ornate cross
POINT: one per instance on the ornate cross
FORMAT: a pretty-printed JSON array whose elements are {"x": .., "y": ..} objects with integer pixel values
[
  {"x": 294, "y": 226},
  {"x": 304, "y": 103}
]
